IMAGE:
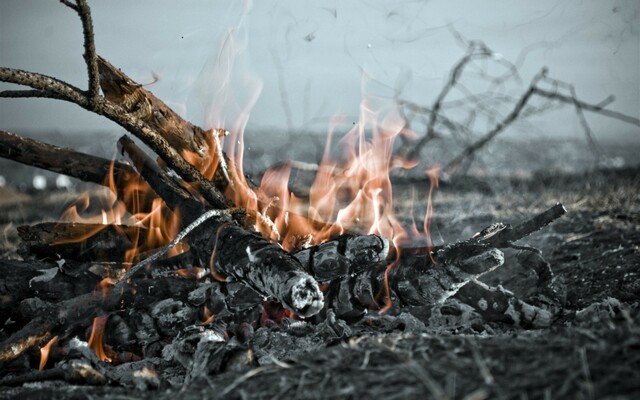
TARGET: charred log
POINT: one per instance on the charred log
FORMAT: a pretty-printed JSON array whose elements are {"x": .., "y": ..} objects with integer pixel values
[
  {"x": 346, "y": 255},
  {"x": 500, "y": 305},
  {"x": 76, "y": 241},
  {"x": 266, "y": 268},
  {"x": 425, "y": 279}
]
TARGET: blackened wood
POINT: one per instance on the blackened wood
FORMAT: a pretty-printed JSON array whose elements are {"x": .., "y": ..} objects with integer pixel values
[
  {"x": 164, "y": 185},
  {"x": 506, "y": 237},
  {"x": 25, "y": 279},
  {"x": 35, "y": 333},
  {"x": 67, "y": 315},
  {"x": 424, "y": 279},
  {"x": 77, "y": 241},
  {"x": 54, "y": 282},
  {"x": 76, "y": 372},
  {"x": 500, "y": 305},
  {"x": 267, "y": 269},
  {"x": 419, "y": 282}
]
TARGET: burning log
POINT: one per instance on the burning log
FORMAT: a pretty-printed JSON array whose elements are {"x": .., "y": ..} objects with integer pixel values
[
  {"x": 264, "y": 267},
  {"x": 237, "y": 253},
  {"x": 139, "y": 102},
  {"x": 179, "y": 133},
  {"x": 253, "y": 268}
]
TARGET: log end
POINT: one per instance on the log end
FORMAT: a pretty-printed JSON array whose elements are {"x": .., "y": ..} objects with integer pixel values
[{"x": 303, "y": 295}]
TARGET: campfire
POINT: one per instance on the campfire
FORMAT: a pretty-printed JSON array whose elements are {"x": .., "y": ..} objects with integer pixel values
[{"x": 184, "y": 268}]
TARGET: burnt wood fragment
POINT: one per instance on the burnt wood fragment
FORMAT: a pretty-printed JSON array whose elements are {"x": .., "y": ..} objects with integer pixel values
[
  {"x": 500, "y": 305},
  {"x": 419, "y": 282},
  {"x": 69, "y": 314},
  {"x": 501, "y": 236},
  {"x": 74, "y": 372}
]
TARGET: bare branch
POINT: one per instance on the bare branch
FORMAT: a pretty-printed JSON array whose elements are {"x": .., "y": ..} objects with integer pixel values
[
  {"x": 90, "y": 58},
  {"x": 475, "y": 50},
  {"x": 83, "y": 166},
  {"x": 69, "y": 4}
]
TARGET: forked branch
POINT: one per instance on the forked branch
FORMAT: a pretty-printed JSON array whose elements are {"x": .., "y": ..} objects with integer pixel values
[{"x": 117, "y": 114}]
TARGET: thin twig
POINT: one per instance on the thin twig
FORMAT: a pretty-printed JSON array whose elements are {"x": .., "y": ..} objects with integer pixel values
[
  {"x": 90, "y": 57},
  {"x": 596, "y": 108},
  {"x": 69, "y": 4},
  {"x": 17, "y": 94},
  {"x": 499, "y": 127}
]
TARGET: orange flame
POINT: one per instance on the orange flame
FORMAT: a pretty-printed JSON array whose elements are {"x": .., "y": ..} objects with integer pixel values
[
  {"x": 44, "y": 352},
  {"x": 96, "y": 338},
  {"x": 194, "y": 273},
  {"x": 105, "y": 285},
  {"x": 138, "y": 206},
  {"x": 208, "y": 316},
  {"x": 351, "y": 190}
]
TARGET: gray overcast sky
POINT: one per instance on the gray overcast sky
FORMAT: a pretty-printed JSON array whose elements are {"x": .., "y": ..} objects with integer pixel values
[{"x": 313, "y": 53}]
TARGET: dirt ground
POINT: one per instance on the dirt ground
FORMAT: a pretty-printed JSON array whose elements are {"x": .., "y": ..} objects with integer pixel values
[{"x": 591, "y": 350}]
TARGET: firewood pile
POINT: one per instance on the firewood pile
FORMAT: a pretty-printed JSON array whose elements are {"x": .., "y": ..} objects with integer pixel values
[{"x": 193, "y": 270}]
